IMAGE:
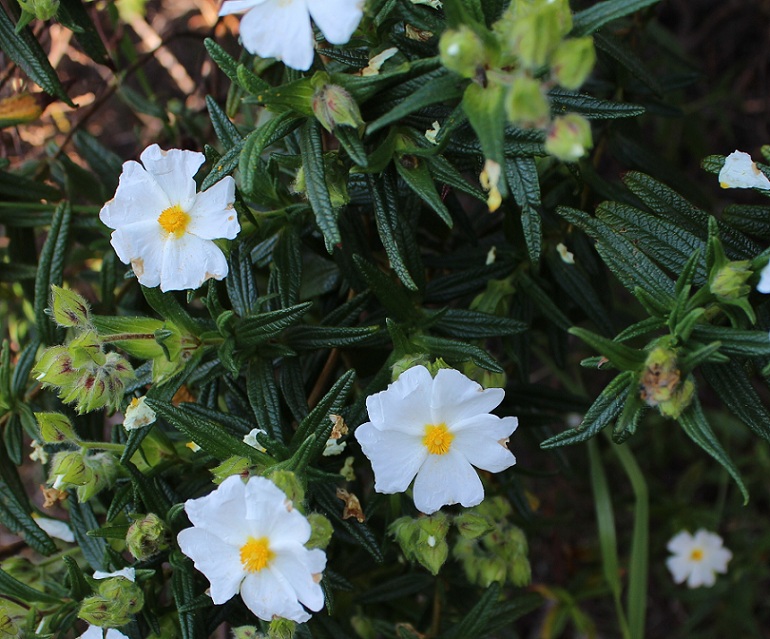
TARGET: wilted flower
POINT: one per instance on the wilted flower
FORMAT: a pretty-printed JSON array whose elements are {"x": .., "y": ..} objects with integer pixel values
[
  {"x": 697, "y": 559},
  {"x": 247, "y": 538},
  {"x": 55, "y": 528},
  {"x": 138, "y": 414},
  {"x": 163, "y": 228},
  {"x": 251, "y": 439},
  {"x": 739, "y": 172},
  {"x": 437, "y": 430},
  {"x": 281, "y": 28}
]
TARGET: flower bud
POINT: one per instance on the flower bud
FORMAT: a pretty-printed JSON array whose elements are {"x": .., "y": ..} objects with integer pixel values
[
  {"x": 281, "y": 629},
  {"x": 407, "y": 362},
  {"x": 516, "y": 551},
  {"x": 86, "y": 350},
  {"x": 147, "y": 537},
  {"x": 69, "y": 308},
  {"x": 538, "y": 29},
  {"x": 7, "y": 626},
  {"x": 290, "y": 484},
  {"x": 423, "y": 540},
  {"x": 472, "y": 524},
  {"x": 124, "y": 594},
  {"x": 235, "y": 465},
  {"x": 728, "y": 283},
  {"x": 569, "y": 137},
  {"x": 462, "y": 51},
  {"x": 333, "y": 106},
  {"x": 100, "y": 611},
  {"x": 320, "y": 531},
  {"x": 363, "y": 627},
  {"x": 56, "y": 428},
  {"x": 573, "y": 61},
  {"x": 104, "y": 468},
  {"x": 246, "y": 632},
  {"x": 69, "y": 468},
  {"x": 41, "y": 9},
  {"x": 490, "y": 569},
  {"x": 526, "y": 104},
  {"x": 55, "y": 367}
]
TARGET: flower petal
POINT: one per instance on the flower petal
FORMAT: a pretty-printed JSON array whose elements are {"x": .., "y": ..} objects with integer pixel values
[
  {"x": 138, "y": 198},
  {"x": 238, "y": 6},
  {"x": 444, "y": 480},
  {"x": 297, "y": 565},
  {"x": 141, "y": 245},
  {"x": 681, "y": 543},
  {"x": 188, "y": 261},
  {"x": 114, "y": 633},
  {"x": 337, "y": 19},
  {"x": 456, "y": 397},
  {"x": 701, "y": 575},
  {"x": 218, "y": 561},
  {"x": 267, "y": 513},
  {"x": 395, "y": 456},
  {"x": 267, "y": 594},
  {"x": 221, "y": 512},
  {"x": 483, "y": 449},
  {"x": 212, "y": 216},
  {"x": 740, "y": 172},
  {"x": 93, "y": 632},
  {"x": 405, "y": 405},
  {"x": 764, "y": 280},
  {"x": 279, "y": 30},
  {"x": 174, "y": 170},
  {"x": 679, "y": 567}
]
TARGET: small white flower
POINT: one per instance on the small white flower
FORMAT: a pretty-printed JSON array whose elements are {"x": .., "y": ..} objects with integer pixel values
[
  {"x": 126, "y": 573},
  {"x": 697, "y": 559},
  {"x": 55, "y": 528},
  {"x": 435, "y": 430},
  {"x": 251, "y": 439},
  {"x": 739, "y": 172},
  {"x": 138, "y": 415},
  {"x": 38, "y": 452},
  {"x": 246, "y": 538},
  {"x": 95, "y": 632},
  {"x": 281, "y": 28},
  {"x": 163, "y": 228}
]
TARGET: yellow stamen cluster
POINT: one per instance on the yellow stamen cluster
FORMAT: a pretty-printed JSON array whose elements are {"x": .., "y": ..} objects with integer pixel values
[
  {"x": 696, "y": 554},
  {"x": 437, "y": 439},
  {"x": 174, "y": 220},
  {"x": 256, "y": 554}
]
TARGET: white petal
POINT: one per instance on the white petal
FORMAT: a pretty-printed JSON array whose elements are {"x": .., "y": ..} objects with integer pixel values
[
  {"x": 188, "y": 261},
  {"x": 719, "y": 559},
  {"x": 221, "y": 512},
  {"x": 212, "y": 216},
  {"x": 701, "y": 575},
  {"x": 483, "y": 449},
  {"x": 174, "y": 170},
  {"x": 337, "y": 19},
  {"x": 267, "y": 594},
  {"x": 395, "y": 456},
  {"x": 681, "y": 543},
  {"x": 126, "y": 573},
  {"x": 679, "y": 567},
  {"x": 444, "y": 480},
  {"x": 113, "y": 633},
  {"x": 93, "y": 632},
  {"x": 280, "y": 30},
  {"x": 137, "y": 199},
  {"x": 294, "y": 565},
  {"x": 55, "y": 528},
  {"x": 238, "y": 6},
  {"x": 141, "y": 245},
  {"x": 405, "y": 405},
  {"x": 267, "y": 515},
  {"x": 740, "y": 172},
  {"x": 457, "y": 397},
  {"x": 764, "y": 280},
  {"x": 218, "y": 561}
]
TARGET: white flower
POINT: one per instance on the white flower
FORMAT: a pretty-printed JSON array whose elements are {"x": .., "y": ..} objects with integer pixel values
[
  {"x": 251, "y": 439},
  {"x": 739, "y": 172},
  {"x": 126, "y": 573},
  {"x": 95, "y": 632},
  {"x": 281, "y": 28},
  {"x": 138, "y": 415},
  {"x": 436, "y": 429},
  {"x": 697, "y": 559},
  {"x": 163, "y": 228},
  {"x": 246, "y": 537},
  {"x": 55, "y": 528}
]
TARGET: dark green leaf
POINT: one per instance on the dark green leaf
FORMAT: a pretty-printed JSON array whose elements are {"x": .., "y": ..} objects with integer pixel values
[
  {"x": 564, "y": 101},
  {"x": 589, "y": 20},
  {"x": 14, "y": 588},
  {"x": 317, "y": 191},
  {"x": 51, "y": 268},
  {"x": 734, "y": 341}
]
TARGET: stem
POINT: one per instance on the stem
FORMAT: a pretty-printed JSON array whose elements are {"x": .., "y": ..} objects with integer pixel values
[{"x": 118, "y": 448}]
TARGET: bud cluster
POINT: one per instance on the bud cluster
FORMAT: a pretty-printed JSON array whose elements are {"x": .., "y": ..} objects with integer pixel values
[
  {"x": 116, "y": 601},
  {"x": 527, "y": 53},
  {"x": 661, "y": 384},
  {"x": 88, "y": 474}
]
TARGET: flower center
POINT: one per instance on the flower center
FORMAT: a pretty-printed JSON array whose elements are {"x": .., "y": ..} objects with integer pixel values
[
  {"x": 437, "y": 439},
  {"x": 696, "y": 554},
  {"x": 256, "y": 554},
  {"x": 174, "y": 220}
]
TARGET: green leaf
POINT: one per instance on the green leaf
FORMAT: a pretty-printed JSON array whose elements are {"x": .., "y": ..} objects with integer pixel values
[
  {"x": 485, "y": 110},
  {"x": 589, "y": 20},
  {"x": 459, "y": 351},
  {"x": 78, "y": 586},
  {"x": 317, "y": 421},
  {"x": 543, "y": 301},
  {"x": 224, "y": 165},
  {"x": 603, "y": 411},
  {"x": 473, "y": 624},
  {"x": 620, "y": 355},
  {"x": 521, "y": 173},
  {"x": 260, "y": 328},
  {"x": 623, "y": 54},
  {"x": 313, "y": 338},
  {"x": 83, "y": 520},
  {"x": 241, "y": 288},
  {"x": 443, "y": 171},
  {"x": 25, "y": 51},
  {"x": 287, "y": 268},
  {"x": 564, "y": 101},
  {"x": 223, "y": 60},
  {"x": 415, "y": 172},
  {"x": 394, "y": 298},
  {"x": 263, "y": 397},
  {"x": 167, "y": 306},
  {"x": 734, "y": 341},
  {"x": 51, "y": 268},
  {"x": 326, "y": 498},
  {"x": 73, "y": 14},
  {"x": 183, "y": 586},
  {"x": 350, "y": 141},
  {"x": 467, "y": 324},
  {"x": 226, "y": 131},
  {"x": 317, "y": 191},
  {"x": 14, "y": 588},
  {"x": 694, "y": 424},
  {"x": 255, "y": 144}
]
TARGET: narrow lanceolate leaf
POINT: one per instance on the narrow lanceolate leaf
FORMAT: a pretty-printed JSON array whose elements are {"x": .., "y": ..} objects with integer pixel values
[
  {"x": 311, "y": 148},
  {"x": 473, "y": 624},
  {"x": 733, "y": 386},
  {"x": 240, "y": 284},
  {"x": 51, "y": 268},
  {"x": 486, "y": 113},
  {"x": 620, "y": 355},
  {"x": 456, "y": 350},
  {"x": 466, "y": 324},
  {"x": 734, "y": 341},
  {"x": 602, "y": 412},
  {"x": 387, "y": 290},
  {"x": 11, "y": 587},
  {"x": 167, "y": 306},
  {"x": 24, "y": 49},
  {"x": 521, "y": 173},
  {"x": 256, "y": 143},
  {"x": 82, "y": 520},
  {"x": 417, "y": 176},
  {"x": 15, "y": 509},
  {"x": 223, "y": 60},
  {"x": 73, "y": 14},
  {"x": 225, "y": 130},
  {"x": 694, "y": 424},
  {"x": 589, "y": 20},
  {"x": 262, "y": 392},
  {"x": 260, "y": 328},
  {"x": 564, "y": 101}
]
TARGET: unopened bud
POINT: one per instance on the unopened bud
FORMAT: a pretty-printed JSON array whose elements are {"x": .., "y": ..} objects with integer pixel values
[
  {"x": 247, "y": 632},
  {"x": 69, "y": 468},
  {"x": 462, "y": 51},
  {"x": 100, "y": 611},
  {"x": 55, "y": 367},
  {"x": 291, "y": 486},
  {"x": 56, "y": 428},
  {"x": 147, "y": 537},
  {"x": 126, "y": 595},
  {"x": 407, "y": 362},
  {"x": 69, "y": 308},
  {"x": 569, "y": 137},
  {"x": 86, "y": 350},
  {"x": 538, "y": 29},
  {"x": 235, "y": 465},
  {"x": 41, "y": 9},
  {"x": 281, "y": 629},
  {"x": 729, "y": 282},
  {"x": 320, "y": 531},
  {"x": 334, "y": 106},
  {"x": 573, "y": 61},
  {"x": 104, "y": 468},
  {"x": 472, "y": 525},
  {"x": 526, "y": 104}
]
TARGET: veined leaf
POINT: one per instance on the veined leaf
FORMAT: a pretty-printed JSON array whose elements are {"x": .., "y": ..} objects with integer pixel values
[
  {"x": 315, "y": 183},
  {"x": 264, "y": 326},
  {"x": 564, "y": 101},
  {"x": 51, "y": 268},
  {"x": 620, "y": 355},
  {"x": 734, "y": 341},
  {"x": 589, "y": 20}
]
